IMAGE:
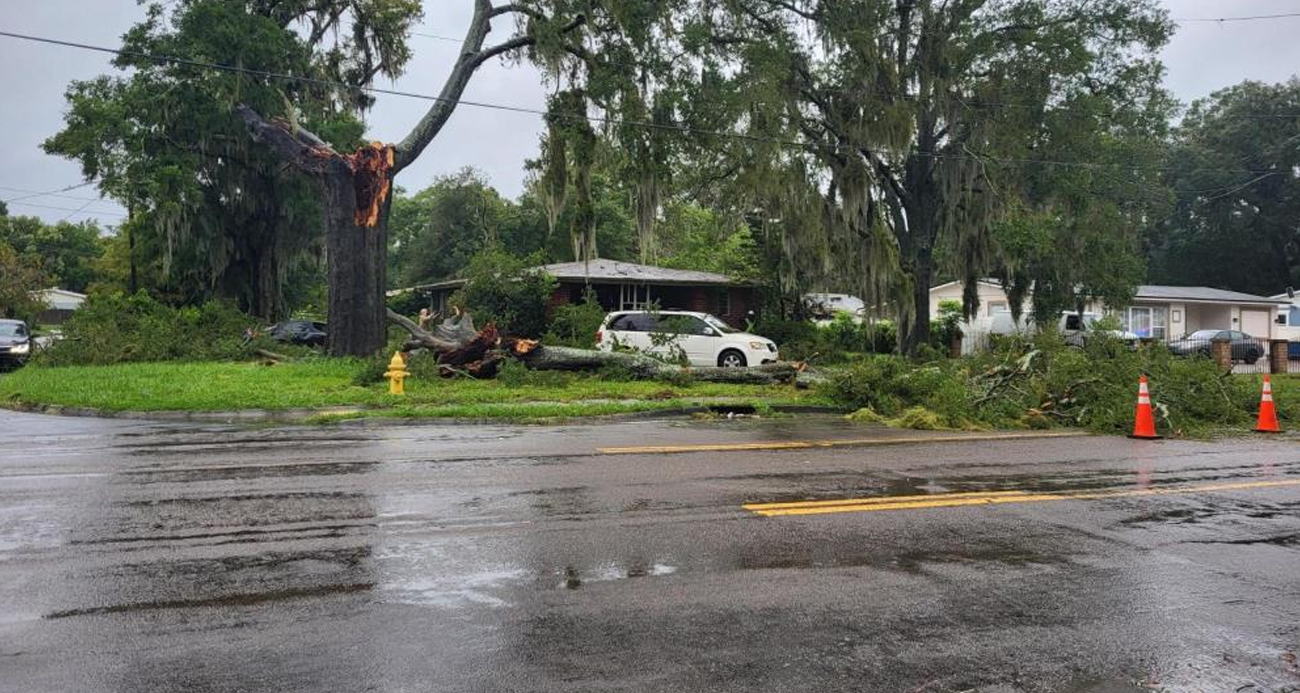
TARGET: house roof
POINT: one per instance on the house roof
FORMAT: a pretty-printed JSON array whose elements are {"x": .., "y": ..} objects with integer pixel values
[
  {"x": 1160, "y": 292},
  {"x": 60, "y": 299},
  {"x": 613, "y": 271},
  {"x": 1203, "y": 294}
]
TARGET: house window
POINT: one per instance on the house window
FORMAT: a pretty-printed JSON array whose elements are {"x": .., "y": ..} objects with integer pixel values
[
  {"x": 724, "y": 302},
  {"x": 1148, "y": 322},
  {"x": 997, "y": 307},
  {"x": 633, "y": 297}
]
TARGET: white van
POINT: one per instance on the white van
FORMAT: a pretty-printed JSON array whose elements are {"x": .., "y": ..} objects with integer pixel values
[
  {"x": 703, "y": 339},
  {"x": 1074, "y": 326}
]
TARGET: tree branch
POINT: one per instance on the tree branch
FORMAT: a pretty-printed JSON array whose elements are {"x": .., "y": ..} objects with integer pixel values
[
  {"x": 431, "y": 124},
  {"x": 307, "y": 152},
  {"x": 472, "y": 55}
]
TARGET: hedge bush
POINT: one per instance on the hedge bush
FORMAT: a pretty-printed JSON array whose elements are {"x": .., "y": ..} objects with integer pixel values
[{"x": 119, "y": 328}]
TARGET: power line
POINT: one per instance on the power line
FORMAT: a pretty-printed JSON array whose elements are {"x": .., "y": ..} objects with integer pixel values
[
  {"x": 67, "y": 209},
  {"x": 51, "y": 193},
  {"x": 435, "y": 36},
  {"x": 595, "y": 119},
  {"x": 1237, "y": 19}
]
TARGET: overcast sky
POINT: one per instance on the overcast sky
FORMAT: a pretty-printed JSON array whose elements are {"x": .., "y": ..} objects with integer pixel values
[{"x": 1201, "y": 58}]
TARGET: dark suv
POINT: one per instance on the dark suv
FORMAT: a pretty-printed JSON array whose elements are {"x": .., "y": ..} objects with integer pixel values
[{"x": 15, "y": 343}]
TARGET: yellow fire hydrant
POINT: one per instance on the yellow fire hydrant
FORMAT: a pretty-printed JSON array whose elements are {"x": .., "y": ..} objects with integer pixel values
[{"x": 397, "y": 374}]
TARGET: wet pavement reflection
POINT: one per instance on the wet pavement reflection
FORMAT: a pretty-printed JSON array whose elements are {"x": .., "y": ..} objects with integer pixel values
[{"x": 137, "y": 556}]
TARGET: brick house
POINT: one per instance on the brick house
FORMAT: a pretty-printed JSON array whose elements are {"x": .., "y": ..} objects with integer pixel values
[{"x": 629, "y": 286}]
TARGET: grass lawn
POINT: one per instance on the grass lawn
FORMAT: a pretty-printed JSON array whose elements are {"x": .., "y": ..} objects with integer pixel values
[{"x": 215, "y": 386}]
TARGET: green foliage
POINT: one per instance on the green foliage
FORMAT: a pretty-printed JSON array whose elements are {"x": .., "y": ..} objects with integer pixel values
[
  {"x": 434, "y": 233},
  {"x": 1040, "y": 383},
  {"x": 1236, "y": 228},
  {"x": 66, "y": 253},
  {"x": 695, "y": 238},
  {"x": 409, "y": 303},
  {"x": 507, "y": 290},
  {"x": 212, "y": 213},
  {"x": 575, "y": 324},
  {"x": 18, "y": 280},
  {"x": 116, "y": 328},
  {"x": 889, "y": 385},
  {"x": 937, "y": 158}
]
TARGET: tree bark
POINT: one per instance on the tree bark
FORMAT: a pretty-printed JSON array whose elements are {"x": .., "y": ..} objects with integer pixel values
[
  {"x": 356, "y": 258},
  {"x": 545, "y": 358},
  {"x": 356, "y": 244}
]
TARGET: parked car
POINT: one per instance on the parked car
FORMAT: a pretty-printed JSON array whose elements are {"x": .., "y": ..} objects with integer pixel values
[
  {"x": 299, "y": 332},
  {"x": 15, "y": 343},
  {"x": 1245, "y": 348},
  {"x": 703, "y": 339},
  {"x": 1074, "y": 327}
]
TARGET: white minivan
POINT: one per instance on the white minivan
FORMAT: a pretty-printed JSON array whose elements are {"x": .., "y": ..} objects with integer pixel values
[{"x": 702, "y": 339}]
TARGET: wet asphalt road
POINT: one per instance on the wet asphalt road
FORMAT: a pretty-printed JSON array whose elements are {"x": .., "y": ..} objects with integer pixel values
[{"x": 146, "y": 557}]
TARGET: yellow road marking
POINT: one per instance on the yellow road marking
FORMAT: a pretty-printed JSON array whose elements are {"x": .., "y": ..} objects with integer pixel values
[
  {"x": 879, "y": 499},
  {"x": 953, "y": 500},
  {"x": 829, "y": 443}
]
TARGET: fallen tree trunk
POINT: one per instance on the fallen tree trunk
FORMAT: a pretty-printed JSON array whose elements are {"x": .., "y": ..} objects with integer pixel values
[
  {"x": 462, "y": 350},
  {"x": 545, "y": 358}
]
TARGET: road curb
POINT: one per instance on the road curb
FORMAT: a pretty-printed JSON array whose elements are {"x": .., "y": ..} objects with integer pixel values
[{"x": 304, "y": 416}]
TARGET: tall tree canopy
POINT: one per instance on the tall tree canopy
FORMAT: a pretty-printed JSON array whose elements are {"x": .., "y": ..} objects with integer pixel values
[
  {"x": 883, "y": 131},
  {"x": 220, "y": 215},
  {"x": 1236, "y": 166},
  {"x": 64, "y": 252}
]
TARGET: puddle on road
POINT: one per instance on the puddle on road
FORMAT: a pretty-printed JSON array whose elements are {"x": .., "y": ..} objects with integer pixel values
[
  {"x": 474, "y": 589},
  {"x": 609, "y": 572}
]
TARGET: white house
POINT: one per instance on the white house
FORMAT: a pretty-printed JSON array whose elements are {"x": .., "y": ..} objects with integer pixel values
[
  {"x": 1287, "y": 324},
  {"x": 1157, "y": 312},
  {"x": 60, "y": 303}
]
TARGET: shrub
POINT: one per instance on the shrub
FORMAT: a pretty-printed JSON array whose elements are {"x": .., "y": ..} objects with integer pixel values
[
  {"x": 117, "y": 328},
  {"x": 508, "y": 290},
  {"x": 575, "y": 324},
  {"x": 409, "y": 303}
]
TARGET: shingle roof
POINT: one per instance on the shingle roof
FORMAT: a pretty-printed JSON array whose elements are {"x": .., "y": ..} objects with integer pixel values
[
  {"x": 602, "y": 270},
  {"x": 1199, "y": 293},
  {"x": 613, "y": 270}
]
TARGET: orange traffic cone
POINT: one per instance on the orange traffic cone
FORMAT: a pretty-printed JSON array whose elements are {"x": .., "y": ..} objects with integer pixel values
[
  {"x": 1267, "y": 422},
  {"x": 1144, "y": 424}
]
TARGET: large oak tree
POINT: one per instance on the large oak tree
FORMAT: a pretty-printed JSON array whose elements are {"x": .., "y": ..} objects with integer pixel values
[{"x": 887, "y": 131}]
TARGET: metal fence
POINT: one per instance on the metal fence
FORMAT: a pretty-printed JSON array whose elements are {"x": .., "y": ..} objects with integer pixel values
[{"x": 1242, "y": 353}]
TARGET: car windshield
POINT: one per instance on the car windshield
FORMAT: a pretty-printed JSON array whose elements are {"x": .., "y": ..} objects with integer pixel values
[
  {"x": 1203, "y": 334},
  {"x": 12, "y": 329},
  {"x": 719, "y": 325}
]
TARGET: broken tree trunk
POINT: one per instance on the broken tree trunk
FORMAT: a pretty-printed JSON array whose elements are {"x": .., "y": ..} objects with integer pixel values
[
  {"x": 459, "y": 348},
  {"x": 355, "y": 190}
]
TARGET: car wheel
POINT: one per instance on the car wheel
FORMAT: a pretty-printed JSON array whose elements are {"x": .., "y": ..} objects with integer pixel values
[{"x": 732, "y": 359}]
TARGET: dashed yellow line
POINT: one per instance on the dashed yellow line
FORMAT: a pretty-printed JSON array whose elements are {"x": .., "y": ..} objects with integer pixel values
[
  {"x": 831, "y": 443},
  {"x": 954, "y": 500}
]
